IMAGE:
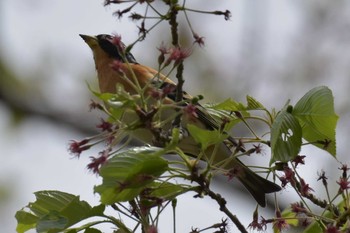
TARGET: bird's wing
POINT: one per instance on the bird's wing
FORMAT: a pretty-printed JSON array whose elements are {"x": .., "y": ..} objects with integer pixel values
[
  {"x": 156, "y": 79},
  {"x": 203, "y": 116}
]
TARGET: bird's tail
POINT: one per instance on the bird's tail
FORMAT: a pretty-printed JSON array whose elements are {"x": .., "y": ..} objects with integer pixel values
[{"x": 256, "y": 185}]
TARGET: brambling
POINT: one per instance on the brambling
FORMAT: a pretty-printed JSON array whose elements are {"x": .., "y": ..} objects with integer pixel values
[{"x": 115, "y": 66}]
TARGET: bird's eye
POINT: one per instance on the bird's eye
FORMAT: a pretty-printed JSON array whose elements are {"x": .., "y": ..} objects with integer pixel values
[
  {"x": 108, "y": 37},
  {"x": 104, "y": 37}
]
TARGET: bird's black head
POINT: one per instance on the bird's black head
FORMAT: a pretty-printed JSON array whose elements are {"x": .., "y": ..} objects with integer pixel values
[{"x": 106, "y": 43}]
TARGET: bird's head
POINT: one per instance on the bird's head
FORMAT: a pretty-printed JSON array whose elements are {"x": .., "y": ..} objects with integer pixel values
[{"x": 105, "y": 45}]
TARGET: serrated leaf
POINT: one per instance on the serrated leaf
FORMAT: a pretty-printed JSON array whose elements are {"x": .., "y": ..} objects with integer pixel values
[
  {"x": 285, "y": 137},
  {"x": 205, "y": 137},
  {"x": 25, "y": 221},
  {"x": 122, "y": 231},
  {"x": 52, "y": 222},
  {"x": 97, "y": 210},
  {"x": 66, "y": 204},
  {"x": 290, "y": 217},
  {"x": 227, "y": 110},
  {"x": 72, "y": 231},
  {"x": 25, "y": 217},
  {"x": 166, "y": 190},
  {"x": 116, "y": 113},
  {"x": 101, "y": 96},
  {"x": 315, "y": 112},
  {"x": 111, "y": 192},
  {"x": 92, "y": 230},
  {"x": 76, "y": 211},
  {"x": 230, "y": 117},
  {"x": 313, "y": 227},
  {"x": 117, "y": 102},
  {"x": 54, "y": 211},
  {"x": 131, "y": 166},
  {"x": 229, "y": 105},
  {"x": 128, "y": 172},
  {"x": 253, "y": 104},
  {"x": 158, "y": 192}
]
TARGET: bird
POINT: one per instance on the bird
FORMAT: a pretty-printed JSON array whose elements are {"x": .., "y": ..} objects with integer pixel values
[{"x": 130, "y": 74}]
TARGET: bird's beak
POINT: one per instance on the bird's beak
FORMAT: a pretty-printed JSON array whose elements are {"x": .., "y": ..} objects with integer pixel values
[{"x": 90, "y": 40}]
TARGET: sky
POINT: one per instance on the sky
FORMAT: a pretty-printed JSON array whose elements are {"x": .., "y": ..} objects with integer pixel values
[{"x": 40, "y": 38}]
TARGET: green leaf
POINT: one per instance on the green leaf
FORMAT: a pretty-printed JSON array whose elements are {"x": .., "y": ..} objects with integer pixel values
[
  {"x": 128, "y": 172},
  {"x": 97, "y": 210},
  {"x": 92, "y": 230},
  {"x": 290, "y": 217},
  {"x": 119, "y": 95},
  {"x": 101, "y": 96},
  {"x": 314, "y": 227},
  {"x": 122, "y": 231},
  {"x": 25, "y": 221},
  {"x": 315, "y": 112},
  {"x": 112, "y": 192},
  {"x": 285, "y": 137},
  {"x": 175, "y": 138},
  {"x": 230, "y": 117},
  {"x": 205, "y": 137},
  {"x": 54, "y": 211},
  {"x": 117, "y": 102},
  {"x": 66, "y": 204},
  {"x": 229, "y": 105},
  {"x": 52, "y": 222},
  {"x": 166, "y": 190},
  {"x": 72, "y": 231},
  {"x": 253, "y": 104},
  {"x": 161, "y": 192}
]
